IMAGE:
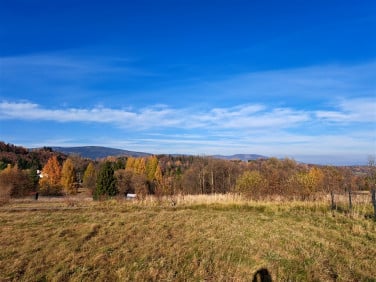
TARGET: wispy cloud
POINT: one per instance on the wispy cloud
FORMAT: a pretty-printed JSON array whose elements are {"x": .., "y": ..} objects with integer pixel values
[
  {"x": 162, "y": 116},
  {"x": 240, "y": 129},
  {"x": 239, "y": 117},
  {"x": 66, "y": 66},
  {"x": 144, "y": 118},
  {"x": 349, "y": 111}
]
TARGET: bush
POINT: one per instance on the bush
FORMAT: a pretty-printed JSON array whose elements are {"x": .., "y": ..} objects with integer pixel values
[
  {"x": 16, "y": 182},
  {"x": 251, "y": 184}
]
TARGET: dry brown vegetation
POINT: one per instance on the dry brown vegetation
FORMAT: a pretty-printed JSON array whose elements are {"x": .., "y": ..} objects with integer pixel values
[{"x": 214, "y": 238}]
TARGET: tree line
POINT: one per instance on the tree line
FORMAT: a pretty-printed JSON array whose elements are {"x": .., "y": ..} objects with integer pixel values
[{"x": 171, "y": 175}]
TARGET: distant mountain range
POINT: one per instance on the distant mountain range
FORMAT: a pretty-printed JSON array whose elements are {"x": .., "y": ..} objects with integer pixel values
[
  {"x": 98, "y": 152},
  {"x": 242, "y": 157}
]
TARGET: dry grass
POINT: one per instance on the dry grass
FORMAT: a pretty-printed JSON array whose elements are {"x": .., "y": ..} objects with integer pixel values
[{"x": 214, "y": 238}]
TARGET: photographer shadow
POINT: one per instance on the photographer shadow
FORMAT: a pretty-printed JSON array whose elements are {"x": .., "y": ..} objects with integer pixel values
[{"x": 262, "y": 275}]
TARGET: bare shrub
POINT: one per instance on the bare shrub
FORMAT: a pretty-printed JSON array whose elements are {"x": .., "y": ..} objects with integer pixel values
[{"x": 5, "y": 191}]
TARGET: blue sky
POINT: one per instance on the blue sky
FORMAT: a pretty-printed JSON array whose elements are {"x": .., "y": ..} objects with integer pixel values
[{"x": 279, "y": 78}]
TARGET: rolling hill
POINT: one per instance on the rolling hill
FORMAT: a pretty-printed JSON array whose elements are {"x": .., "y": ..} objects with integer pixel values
[{"x": 97, "y": 152}]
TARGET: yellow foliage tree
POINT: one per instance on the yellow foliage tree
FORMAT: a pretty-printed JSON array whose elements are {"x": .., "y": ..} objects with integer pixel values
[
  {"x": 90, "y": 178},
  {"x": 306, "y": 184},
  {"x": 160, "y": 188},
  {"x": 130, "y": 164},
  {"x": 140, "y": 166},
  {"x": 317, "y": 176},
  {"x": 68, "y": 177},
  {"x": 151, "y": 167},
  {"x": 251, "y": 184}
]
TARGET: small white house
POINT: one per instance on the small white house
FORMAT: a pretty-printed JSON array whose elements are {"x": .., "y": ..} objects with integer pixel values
[{"x": 131, "y": 196}]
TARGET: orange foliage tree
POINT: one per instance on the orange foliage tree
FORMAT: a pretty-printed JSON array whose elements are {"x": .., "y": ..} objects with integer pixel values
[{"x": 50, "y": 178}]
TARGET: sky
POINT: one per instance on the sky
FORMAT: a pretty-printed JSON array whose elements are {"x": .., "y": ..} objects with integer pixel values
[{"x": 287, "y": 78}]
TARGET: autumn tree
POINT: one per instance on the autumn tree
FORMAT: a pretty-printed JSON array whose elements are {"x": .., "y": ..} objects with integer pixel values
[
  {"x": 140, "y": 185},
  {"x": 90, "y": 178},
  {"x": 80, "y": 164},
  {"x": 191, "y": 182},
  {"x": 130, "y": 165},
  {"x": 50, "y": 182},
  {"x": 140, "y": 166},
  {"x": 68, "y": 177},
  {"x": 124, "y": 181},
  {"x": 306, "y": 184},
  {"x": 15, "y": 182},
  {"x": 332, "y": 179},
  {"x": 160, "y": 187},
  {"x": 151, "y": 167},
  {"x": 106, "y": 182},
  {"x": 251, "y": 184},
  {"x": 317, "y": 176}
]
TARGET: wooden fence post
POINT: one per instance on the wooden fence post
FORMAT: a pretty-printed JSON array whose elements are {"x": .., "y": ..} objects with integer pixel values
[
  {"x": 332, "y": 197},
  {"x": 350, "y": 201},
  {"x": 374, "y": 201}
]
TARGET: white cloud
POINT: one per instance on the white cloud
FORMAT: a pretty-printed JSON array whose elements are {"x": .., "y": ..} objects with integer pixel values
[
  {"x": 243, "y": 117},
  {"x": 351, "y": 110},
  {"x": 240, "y": 117}
]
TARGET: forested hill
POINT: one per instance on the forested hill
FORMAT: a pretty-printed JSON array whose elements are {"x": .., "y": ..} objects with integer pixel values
[
  {"x": 37, "y": 157},
  {"x": 26, "y": 158},
  {"x": 98, "y": 152}
]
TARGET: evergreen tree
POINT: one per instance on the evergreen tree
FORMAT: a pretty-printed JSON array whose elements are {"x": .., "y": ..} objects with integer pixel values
[{"x": 106, "y": 182}]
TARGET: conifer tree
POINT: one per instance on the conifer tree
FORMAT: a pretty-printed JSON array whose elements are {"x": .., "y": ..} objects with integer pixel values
[{"x": 106, "y": 182}]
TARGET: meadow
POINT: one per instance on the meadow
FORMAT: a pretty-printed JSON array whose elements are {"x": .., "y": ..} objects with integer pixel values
[{"x": 191, "y": 238}]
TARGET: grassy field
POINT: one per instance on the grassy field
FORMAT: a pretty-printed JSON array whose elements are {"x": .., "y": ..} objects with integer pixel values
[{"x": 208, "y": 238}]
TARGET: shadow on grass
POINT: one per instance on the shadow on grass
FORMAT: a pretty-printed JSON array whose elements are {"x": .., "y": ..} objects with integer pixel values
[{"x": 262, "y": 275}]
